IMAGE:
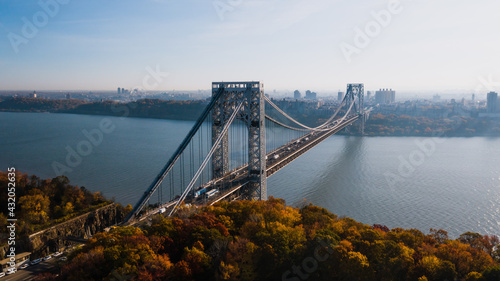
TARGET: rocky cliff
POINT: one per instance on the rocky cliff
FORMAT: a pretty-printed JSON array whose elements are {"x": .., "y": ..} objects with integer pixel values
[{"x": 82, "y": 227}]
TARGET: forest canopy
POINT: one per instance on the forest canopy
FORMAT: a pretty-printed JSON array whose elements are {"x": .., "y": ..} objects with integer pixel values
[
  {"x": 267, "y": 240},
  {"x": 42, "y": 203}
]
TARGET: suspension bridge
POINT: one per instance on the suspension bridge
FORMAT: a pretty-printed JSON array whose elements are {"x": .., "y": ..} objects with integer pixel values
[{"x": 241, "y": 138}]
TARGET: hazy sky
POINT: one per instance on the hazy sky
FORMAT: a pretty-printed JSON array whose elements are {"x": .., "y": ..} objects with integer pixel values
[{"x": 287, "y": 44}]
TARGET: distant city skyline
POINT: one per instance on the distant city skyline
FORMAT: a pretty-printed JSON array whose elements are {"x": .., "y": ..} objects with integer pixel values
[{"x": 321, "y": 45}]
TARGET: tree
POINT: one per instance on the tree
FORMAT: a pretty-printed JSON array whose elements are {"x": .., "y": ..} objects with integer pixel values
[
  {"x": 484, "y": 243},
  {"x": 68, "y": 208},
  {"x": 435, "y": 269},
  {"x": 228, "y": 272},
  {"x": 474, "y": 276},
  {"x": 243, "y": 255},
  {"x": 35, "y": 208},
  {"x": 440, "y": 236},
  {"x": 464, "y": 257},
  {"x": 155, "y": 269},
  {"x": 492, "y": 274},
  {"x": 87, "y": 266},
  {"x": 197, "y": 260}
]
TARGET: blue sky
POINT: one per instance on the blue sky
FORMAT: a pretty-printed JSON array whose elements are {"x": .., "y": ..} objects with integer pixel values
[{"x": 427, "y": 45}]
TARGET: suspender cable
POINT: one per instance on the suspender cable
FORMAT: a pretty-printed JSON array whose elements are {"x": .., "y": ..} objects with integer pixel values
[
  {"x": 154, "y": 185},
  {"x": 207, "y": 158}
]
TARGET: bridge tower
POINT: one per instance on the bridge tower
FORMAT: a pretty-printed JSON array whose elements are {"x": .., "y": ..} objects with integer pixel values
[
  {"x": 356, "y": 93},
  {"x": 253, "y": 115}
]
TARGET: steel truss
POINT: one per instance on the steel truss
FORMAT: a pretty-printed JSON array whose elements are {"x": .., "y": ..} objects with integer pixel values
[
  {"x": 253, "y": 115},
  {"x": 355, "y": 93}
]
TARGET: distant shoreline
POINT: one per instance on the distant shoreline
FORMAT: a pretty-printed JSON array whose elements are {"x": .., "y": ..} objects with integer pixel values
[
  {"x": 147, "y": 108},
  {"x": 377, "y": 126},
  {"x": 96, "y": 114}
]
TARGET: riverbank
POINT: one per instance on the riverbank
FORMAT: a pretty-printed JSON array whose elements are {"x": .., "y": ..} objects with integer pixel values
[
  {"x": 376, "y": 125},
  {"x": 48, "y": 210},
  {"x": 146, "y": 108}
]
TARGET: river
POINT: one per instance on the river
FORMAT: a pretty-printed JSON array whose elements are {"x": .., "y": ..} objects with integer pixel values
[{"x": 408, "y": 182}]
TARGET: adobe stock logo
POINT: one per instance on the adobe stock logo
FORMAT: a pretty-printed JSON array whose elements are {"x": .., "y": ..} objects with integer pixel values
[
  {"x": 373, "y": 28},
  {"x": 49, "y": 9},
  {"x": 224, "y": 6},
  {"x": 93, "y": 138},
  {"x": 407, "y": 166},
  {"x": 425, "y": 149},
  {"x": 310, "y": 264}
]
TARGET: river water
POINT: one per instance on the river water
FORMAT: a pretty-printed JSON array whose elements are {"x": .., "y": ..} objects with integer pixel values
[{"x": 409, "y": 182}]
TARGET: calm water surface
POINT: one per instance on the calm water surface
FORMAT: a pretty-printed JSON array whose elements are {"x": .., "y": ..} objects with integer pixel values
[{"x": 456, "y": 187}]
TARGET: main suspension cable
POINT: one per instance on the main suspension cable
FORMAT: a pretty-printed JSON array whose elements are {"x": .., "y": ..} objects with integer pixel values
[{"x": 304, "y": 127}]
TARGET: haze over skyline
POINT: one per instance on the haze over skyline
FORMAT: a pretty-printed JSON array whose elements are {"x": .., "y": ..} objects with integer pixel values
[{"x": 420, "y": 45}]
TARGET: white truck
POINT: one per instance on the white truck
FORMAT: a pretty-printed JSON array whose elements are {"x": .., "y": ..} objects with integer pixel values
[{"x": 212, "y": 192}]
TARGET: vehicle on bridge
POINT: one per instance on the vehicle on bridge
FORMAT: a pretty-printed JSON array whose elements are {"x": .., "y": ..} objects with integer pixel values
[
  {"x": 200, "y": 192},
  {"x": 212, "y": 193}
]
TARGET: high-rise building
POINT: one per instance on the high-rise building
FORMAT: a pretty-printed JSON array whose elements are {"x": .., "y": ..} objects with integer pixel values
[
  {"x": 340, "y": 96},
  {"x": 297, "y": 95},
  {"x": 310, "y": 95},
  {"x": 385, "y": 96},
  {"x": 119, "y": 90},
  {"x": 68, "y": 96},
  {"x": 368, "y": 95},
  {"x": 492, "y": 100}
]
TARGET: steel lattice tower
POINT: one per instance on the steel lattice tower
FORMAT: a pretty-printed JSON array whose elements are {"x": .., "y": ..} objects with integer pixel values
[
  {"x": 253, "y": 114},
  {"x": 358, "y": 91}
]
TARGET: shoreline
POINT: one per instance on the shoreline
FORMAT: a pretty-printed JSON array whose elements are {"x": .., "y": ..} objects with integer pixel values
[{"x": 444, "y": 135}]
